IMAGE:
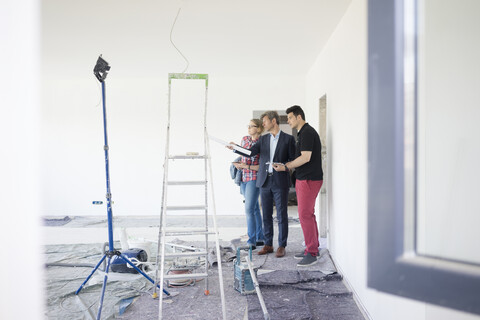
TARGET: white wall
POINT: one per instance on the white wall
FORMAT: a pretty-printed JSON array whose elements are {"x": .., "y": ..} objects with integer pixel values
[
  {"x": 256, "y": 61},
  {"x": 21, "y": 268},
  {"x": 134, "y": 38},
  {"x": 340, "y": 72},
  {"x": 72, "y": 156}
]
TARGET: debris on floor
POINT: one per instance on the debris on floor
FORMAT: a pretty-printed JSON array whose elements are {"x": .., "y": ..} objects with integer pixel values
[{"x": 313, "y": 292}]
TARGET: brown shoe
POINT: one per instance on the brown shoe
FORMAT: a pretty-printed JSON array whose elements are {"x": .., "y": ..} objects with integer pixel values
[
  {"x": 280, "y": 252},
  {"x": 266, "y": 249}
]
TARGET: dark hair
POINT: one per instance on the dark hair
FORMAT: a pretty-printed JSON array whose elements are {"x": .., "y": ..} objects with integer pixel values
[
  {"x": 271, "y": 115},
  {"x": 297, "y": 110}
]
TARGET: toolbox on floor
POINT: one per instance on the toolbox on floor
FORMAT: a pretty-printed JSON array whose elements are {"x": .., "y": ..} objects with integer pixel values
[{"x": 243, "y": 282}]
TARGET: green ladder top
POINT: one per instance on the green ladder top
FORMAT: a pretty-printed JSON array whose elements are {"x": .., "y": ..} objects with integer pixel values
[{"x": 194, "y": 76}]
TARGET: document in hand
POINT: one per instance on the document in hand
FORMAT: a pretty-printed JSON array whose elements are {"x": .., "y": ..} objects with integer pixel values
[{"x": 234, "y": 146}]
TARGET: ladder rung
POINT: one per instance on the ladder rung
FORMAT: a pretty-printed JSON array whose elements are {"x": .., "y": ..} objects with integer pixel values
[
  {"x": 187, "y": 232},
  {"x": 186, "y": 254},
  {"x": 187, "y": 157},
  {"x": 185, "y": 276},
  {"x": 187, "y": 183},
  {"x": 200, "y": 207}
]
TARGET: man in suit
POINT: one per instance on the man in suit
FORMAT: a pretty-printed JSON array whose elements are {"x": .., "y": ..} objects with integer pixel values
[{"x": 275, "y": 147}]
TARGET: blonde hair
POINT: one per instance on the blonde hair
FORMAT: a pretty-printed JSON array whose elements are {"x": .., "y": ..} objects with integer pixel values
[{"x": 259, "y": 125}]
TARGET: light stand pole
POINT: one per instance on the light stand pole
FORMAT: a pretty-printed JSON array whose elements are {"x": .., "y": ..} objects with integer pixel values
[{"x": 100, "y": 72}]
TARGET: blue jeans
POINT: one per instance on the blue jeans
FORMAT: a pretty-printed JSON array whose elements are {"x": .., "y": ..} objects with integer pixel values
[{"x": 252, "y": 211}]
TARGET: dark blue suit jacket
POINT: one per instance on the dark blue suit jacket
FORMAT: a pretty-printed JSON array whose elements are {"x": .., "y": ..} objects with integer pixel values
[{"x": 284, "y": 153}]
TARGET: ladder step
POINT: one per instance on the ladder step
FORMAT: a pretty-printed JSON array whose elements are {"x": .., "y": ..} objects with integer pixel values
[
  {"x": 186, "y": 254},
  {"x": 187, "y": 157},
  {"x": 200, "y": 207},
  {"x": 187, "y": 183},
  {"x": 187, "y": 232},
  {"x": 185, "y": 276}
]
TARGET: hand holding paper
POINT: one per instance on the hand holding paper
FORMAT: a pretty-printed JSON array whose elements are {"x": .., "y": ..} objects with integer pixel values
[{"x": 231, "y": 145}]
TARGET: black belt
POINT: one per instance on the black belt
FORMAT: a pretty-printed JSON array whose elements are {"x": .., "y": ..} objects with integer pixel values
[{"x": 270, "y": 174}]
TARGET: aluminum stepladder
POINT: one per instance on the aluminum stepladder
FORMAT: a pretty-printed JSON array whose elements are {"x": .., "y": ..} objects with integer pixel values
[{"x": 203, "y": 230}]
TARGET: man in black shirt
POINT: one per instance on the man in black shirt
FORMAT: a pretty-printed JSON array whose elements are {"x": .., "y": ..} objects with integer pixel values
[{"x": 309, "y": 175}]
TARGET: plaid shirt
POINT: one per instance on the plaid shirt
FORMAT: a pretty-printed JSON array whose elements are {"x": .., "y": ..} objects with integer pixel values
[{"x": 249, "y": 175}]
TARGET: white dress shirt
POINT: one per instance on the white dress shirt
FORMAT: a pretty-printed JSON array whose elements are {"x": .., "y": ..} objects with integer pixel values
[{"x": 273, "y": 146}]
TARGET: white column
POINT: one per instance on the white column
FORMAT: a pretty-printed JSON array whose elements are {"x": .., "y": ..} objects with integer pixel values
[{"x": 21, "y": 267}]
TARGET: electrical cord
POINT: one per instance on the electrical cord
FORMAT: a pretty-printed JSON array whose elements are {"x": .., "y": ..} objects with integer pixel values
[
  {"x": 181, "y": 283},
  {"x": 86, "y": 308},
  {"x": 100, "y": 96},
  {"x": 171, "y": 41},
  {"x": 72, "y": 265}
]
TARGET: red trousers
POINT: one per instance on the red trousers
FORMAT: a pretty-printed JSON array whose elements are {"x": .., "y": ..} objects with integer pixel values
[{"x": 307, "y": 191}]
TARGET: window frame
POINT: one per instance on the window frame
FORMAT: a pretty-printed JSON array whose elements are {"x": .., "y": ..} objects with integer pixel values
[{"x": 393, "y": 265}]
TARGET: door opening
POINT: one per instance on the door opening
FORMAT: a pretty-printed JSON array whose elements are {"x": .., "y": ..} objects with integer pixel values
[{"x": 323, "y": 222}]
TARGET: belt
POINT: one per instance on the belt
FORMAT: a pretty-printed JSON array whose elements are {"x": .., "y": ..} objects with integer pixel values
[{"x": 270, "y": 174}]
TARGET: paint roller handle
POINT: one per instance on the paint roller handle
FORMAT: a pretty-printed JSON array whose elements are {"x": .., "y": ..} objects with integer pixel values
[{"x": 257, "y": 288}]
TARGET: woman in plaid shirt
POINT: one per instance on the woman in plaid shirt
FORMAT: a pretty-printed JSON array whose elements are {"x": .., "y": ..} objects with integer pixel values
[{"x": 249, "y": 167}]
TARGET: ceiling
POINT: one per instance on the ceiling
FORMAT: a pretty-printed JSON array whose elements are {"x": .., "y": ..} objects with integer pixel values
[{"x": 248, "y": 37}]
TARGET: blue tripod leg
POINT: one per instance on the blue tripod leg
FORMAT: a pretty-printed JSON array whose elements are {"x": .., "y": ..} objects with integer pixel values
[
  {"x": 91, "y": 274},
  {"x": 125, "y": 258},
  {"x": 103, "y": 289}
]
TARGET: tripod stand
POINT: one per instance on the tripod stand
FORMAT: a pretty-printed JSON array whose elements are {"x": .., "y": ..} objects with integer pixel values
[{"x": 100, "y": 72}]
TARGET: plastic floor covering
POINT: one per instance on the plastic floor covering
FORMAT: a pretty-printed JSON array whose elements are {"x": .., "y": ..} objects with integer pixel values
[{"x": 290, "y": 292}]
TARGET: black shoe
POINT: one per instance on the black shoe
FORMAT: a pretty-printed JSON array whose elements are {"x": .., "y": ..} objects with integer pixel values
[
  {"x": 250, "y": 246},
  {"x": 308, "y": 260},
  {"x": 260, "y": 243},
  {"x": 300, "y": 255}
]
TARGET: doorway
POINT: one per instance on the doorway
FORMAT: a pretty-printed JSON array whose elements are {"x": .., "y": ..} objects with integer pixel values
[{"x": 323, "y": 221}]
